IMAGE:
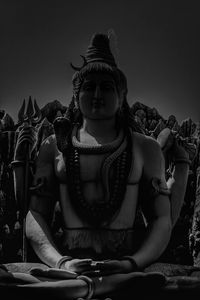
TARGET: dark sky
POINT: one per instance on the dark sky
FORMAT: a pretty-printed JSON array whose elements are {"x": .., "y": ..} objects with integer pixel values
[{"x": 158, "y": 49}]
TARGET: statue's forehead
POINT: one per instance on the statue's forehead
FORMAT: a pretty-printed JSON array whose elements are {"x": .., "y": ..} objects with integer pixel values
[{"x": 96, "y": 76}]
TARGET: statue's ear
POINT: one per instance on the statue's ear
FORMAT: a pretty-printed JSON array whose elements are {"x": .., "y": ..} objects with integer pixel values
[{"x": 120, "y": 100}]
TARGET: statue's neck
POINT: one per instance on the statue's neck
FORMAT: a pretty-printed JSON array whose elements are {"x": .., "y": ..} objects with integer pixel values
[{"x": 103, "y": 130}]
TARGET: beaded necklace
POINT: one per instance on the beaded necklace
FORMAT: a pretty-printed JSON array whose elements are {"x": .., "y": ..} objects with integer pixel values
[{"x": 103, "y": 210}]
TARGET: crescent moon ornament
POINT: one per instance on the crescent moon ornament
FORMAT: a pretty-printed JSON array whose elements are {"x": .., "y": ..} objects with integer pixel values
[{"x": 83, "y": 65}]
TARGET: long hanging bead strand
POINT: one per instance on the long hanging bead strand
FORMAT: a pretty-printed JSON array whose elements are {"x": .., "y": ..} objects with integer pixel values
[
  {"x": 116, "y": 182},
  {"x": 77, "y": 173},
  {"x": 122, "y": 173},
  {"x": 97, "y": 212},
  {"x": 78, "y": 189},
  {"x": 119, "y": 182}
]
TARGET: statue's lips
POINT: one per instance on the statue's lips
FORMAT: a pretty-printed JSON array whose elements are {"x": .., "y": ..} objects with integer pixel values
[{"x": 97, "y": 105}]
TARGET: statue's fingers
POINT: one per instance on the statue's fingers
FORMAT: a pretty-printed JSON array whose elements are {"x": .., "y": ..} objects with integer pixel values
[
  {"x": 103, "y": 266},
  {"x": 26, "y": 138},
  {"x": 85, "y": 261},
  {"x": 82, "y": 269},
  {"x": 28, "y": 132},
  {"x": 90, "y": 273},
  {"x": 84, "y": 265}
]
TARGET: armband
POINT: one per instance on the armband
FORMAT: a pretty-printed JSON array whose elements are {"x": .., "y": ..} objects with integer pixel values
[
  {"x": 90, "y": 285},
  {"x": 38, "y": 189},
  {"x": 157, "y": 188},
  {"x": 62, "y": 260}
]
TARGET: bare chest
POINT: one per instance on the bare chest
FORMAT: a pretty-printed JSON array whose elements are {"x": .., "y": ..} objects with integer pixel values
[
  {"x": 92, "y": 168},
  {"x": 93, "y": 184}
]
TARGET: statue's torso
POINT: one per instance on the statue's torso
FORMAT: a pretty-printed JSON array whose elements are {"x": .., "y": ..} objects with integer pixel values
[{"x": 116, "y": 231}]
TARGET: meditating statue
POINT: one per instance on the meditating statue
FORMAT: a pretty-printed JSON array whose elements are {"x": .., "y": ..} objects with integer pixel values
[{"x": 103, "y": 170}]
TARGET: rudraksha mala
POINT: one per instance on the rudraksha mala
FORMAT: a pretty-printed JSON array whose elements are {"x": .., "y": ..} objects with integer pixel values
[{"x": 98, "y": 212}]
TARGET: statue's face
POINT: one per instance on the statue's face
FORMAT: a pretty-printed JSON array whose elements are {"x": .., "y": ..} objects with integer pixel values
[{"x": 98, "y": 97}]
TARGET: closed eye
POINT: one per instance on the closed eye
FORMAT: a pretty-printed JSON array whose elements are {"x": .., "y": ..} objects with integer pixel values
[
  {"x": 88, "y": 87},
  {"x": 108, "y": 87}
]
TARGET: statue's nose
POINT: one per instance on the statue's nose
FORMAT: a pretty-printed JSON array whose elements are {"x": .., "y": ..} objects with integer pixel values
[{"x": 97, "y": 93}]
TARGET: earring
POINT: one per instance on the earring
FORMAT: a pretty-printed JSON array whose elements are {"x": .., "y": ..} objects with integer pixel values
[
  {"x": 76, "y": 102},
  {"x": 76, "y": 112}
]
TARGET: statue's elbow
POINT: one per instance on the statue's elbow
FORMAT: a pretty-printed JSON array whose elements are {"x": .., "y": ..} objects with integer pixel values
[
  {"x": 29, "y": 225},
  {"x": 169, "y": 225}
]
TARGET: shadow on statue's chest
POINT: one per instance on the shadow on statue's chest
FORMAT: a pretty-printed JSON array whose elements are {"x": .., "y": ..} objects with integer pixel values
[{"x": 91, "y": 167}]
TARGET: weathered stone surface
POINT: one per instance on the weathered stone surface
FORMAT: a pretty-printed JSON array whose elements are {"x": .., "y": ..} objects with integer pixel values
[
  {"x": 52, "y": 110},
  {"x": 148, "y": 118},
  {"x": 187, "y": 127},
  {"x": 2, "y": 112},
  {"x": 171, "y": 121},
  {"x": 195, "y": 232},
  {"x": 6, "y": 122},
  {"x": 152, "y": 123}
]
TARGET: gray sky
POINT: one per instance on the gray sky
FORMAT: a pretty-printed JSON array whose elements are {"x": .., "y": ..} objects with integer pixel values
[{"x": 158, "y": 50}]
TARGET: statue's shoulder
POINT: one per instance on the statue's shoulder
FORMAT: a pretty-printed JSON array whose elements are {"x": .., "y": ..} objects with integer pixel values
[
  {"x": 145, "y": 144},
  {"x": 142, "y": 138}
]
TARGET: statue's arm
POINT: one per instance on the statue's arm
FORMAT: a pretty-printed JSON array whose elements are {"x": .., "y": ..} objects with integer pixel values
[
  {"x": 177, "y": 184},
  {"x": 155, "y": 206},
  {"x": 175, "y": 151},
  {"x": 42, "y": 204}
]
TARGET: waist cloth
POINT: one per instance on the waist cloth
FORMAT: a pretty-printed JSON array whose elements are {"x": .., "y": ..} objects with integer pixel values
[{"x": 102, "y": 243}]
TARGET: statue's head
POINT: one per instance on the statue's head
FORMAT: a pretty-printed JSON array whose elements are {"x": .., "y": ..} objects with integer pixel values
[{"x": 100, "y": 61}]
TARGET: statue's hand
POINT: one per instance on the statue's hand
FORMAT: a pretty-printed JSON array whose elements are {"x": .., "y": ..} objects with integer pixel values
[
  {"x": 109, "y": 267},
  {"x": 175, "y": 146},
  {"x": 27, "y": 137},
  {"x": 178, "y": 151},
  {"x": 165, "y": 139},
  {"x": 78, "y": 265}
]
